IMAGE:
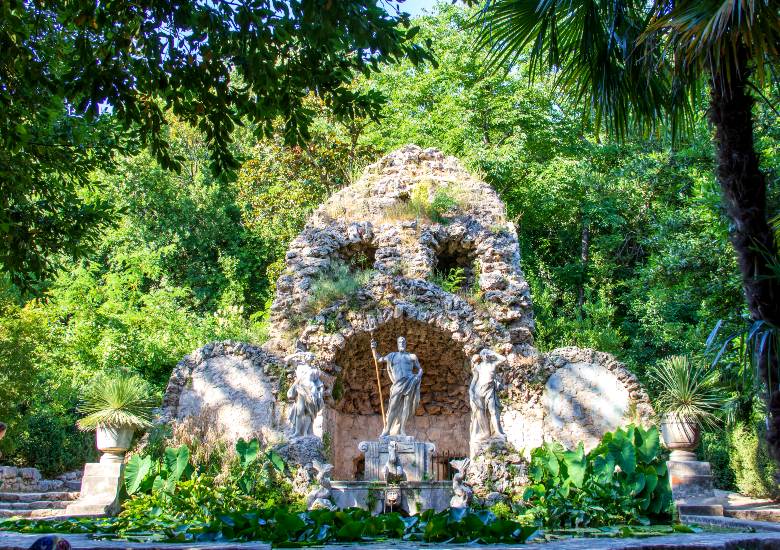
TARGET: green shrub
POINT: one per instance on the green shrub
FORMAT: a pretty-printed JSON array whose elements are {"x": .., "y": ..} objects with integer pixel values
[
  {"x": 753, "y": 468},
  {"x": 426, "y": 204},
  {"x": 689, "y": 390},
  {"x": 622, "y": 480},
  {"x": 442, "y": 203},
  {"x": 714, "y": 448},
  {"x": 52, "y": 444},
  {"x": 116, "y": 402}
]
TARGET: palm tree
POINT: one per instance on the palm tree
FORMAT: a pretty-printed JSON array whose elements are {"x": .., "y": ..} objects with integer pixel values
[{"x": 640, "y": 64}]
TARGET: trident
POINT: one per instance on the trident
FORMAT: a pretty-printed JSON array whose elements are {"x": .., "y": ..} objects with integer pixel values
[{"x": 378, "y": 379}]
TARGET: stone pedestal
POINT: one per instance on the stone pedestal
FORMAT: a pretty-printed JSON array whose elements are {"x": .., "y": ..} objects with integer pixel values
[
  {"x": 416, "y": 458},
  {"x": 692, "y": 488},
  {"x": 100, "y": 488}
]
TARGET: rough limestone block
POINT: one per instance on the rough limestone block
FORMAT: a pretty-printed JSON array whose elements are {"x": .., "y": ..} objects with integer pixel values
[{"x": 100, "y": 488}]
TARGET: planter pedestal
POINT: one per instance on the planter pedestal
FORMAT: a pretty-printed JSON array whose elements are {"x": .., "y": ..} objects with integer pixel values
[
  {"x": 692, "y": 488},
  {"x": 100, "y": 489}
]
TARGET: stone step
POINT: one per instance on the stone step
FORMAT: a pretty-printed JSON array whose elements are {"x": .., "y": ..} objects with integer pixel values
[
  {"x": 30, "y": 513},
  {"x": 32, "y": 497},
  {"x": 35, "y": 505},
  {"x": 755, "y": 514},
  {"x": 700, "y": 509},
  {"x": 4, "y": 513},
  {"x": 74, "y": 485}
]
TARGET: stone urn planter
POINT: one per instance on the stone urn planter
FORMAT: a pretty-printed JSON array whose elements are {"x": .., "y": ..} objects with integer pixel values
[
  {"x": 113, "y": 442},
  {"x": 681, "y": 436}
]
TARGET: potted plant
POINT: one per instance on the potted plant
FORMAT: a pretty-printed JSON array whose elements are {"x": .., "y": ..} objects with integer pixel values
[
  {"x": 115, "y": 408},
  {"x": 689, "y": 397}
]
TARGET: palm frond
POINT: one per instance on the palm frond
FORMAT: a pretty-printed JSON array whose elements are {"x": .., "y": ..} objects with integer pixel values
[
  {"x": 590, "y": 48},
  {"x": 688, "y": 389},
  {"x": 710, "y": 34},
  {"x": 116, "y": 402}
]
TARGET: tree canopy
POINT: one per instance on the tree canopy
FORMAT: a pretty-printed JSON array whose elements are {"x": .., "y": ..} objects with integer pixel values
[{"x": 81, "y": 81}]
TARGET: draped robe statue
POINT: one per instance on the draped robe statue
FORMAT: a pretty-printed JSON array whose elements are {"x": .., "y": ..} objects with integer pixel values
[
  {"x": 483, "y": 397},
  {"x": 405, "y": 391},
  {"x": 307, "y": 393}
]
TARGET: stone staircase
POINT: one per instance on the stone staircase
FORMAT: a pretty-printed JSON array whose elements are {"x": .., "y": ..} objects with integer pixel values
[
  {"x": 35, "y": 505},
  {"x": 24, "y": 493},
  {"x": 747, "y": 508}
]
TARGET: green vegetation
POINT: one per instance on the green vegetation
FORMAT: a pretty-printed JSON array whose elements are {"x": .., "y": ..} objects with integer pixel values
[
  {"x": 119, "y": 402},
  {"x": 175, "y": 498},
  {"x": 623, "y": 480},
  {"x": 65, "y": 115},
  {"x": 426, "y": 202},
  {"x": 754, "y": 470},
  {"x": 688, "y": 390},
  {"x": 452, "y": 281},
  {"x": 338, "y": 282}
]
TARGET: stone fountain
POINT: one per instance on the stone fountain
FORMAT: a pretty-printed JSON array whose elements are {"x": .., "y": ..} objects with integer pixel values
[{"x": 321, "y": 389}]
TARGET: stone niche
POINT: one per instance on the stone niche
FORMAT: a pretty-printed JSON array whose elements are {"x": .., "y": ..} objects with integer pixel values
[
  {"x": 230, "y": 383},
  {"x": 443, "y": 414},
  {"x": 574, "y": 395}
]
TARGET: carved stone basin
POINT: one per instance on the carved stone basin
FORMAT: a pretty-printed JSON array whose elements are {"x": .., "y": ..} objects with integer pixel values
[{"x": 412, "y": 497}]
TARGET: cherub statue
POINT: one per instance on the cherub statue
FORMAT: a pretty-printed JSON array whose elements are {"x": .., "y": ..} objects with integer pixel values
[
  {"x": 394, "y": 472},
  {"x": 307, "y": 391},
  {"x": 483, "y": 398},
  {"x": 319, "y": 496},
  {"x": 461, "y": 493}
]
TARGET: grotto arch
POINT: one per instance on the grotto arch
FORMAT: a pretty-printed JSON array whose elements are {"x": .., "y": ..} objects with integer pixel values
[{"x": 353, "y": 413}]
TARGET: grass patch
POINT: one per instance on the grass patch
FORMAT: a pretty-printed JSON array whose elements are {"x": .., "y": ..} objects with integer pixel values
[
  {"x": 426, "y": 202},
  {"x": 336, "y": 283}
]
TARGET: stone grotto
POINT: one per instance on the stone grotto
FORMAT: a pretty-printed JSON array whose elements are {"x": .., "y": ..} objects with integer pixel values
[{"x": 418, "y": 248}]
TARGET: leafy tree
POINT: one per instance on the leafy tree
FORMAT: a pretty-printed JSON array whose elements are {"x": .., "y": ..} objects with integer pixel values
[
  {"x": 280, "y": 185},
  {"x": 641, "y": 64},
  {"x": 81, "y": 80}
]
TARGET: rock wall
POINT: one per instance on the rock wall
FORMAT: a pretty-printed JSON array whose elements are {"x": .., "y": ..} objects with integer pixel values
[
  {"x": 30, "y": 480},
  {"x": 370, "y": 220}
]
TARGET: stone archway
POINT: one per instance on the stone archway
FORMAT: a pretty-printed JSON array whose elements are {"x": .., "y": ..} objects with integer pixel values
[{"x": 443, "y": 414}]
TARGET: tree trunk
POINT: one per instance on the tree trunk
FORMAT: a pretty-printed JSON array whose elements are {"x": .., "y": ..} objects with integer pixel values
[
  {"x": 585, "y": 259},
  {"x": 744, "y": 191}
]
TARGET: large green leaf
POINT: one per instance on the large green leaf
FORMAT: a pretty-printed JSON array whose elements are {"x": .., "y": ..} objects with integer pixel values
[
  {"x": 176, "y": 461},
  {"x": 350, "y": 531},
  {"x": 624, "y": 453},
  {"x": 604, "y": 468},
  {"x": 576, "y": 465},
  {"x": 277, "y": 460},
  {"x": 247, "y": 452},
  {"x": 549, "y": 460},
  {"x": 136, "y": 470},
  {"x": 648, "y": 443}
]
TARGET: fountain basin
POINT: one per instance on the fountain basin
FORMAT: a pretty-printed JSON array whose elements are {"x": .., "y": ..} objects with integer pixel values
[{"x": 413, "y": 497}]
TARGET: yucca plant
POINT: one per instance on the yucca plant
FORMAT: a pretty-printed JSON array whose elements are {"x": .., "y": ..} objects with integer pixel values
[
  {"x": 120, "y": 402},
  {"x": 688, "y": 390}
]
